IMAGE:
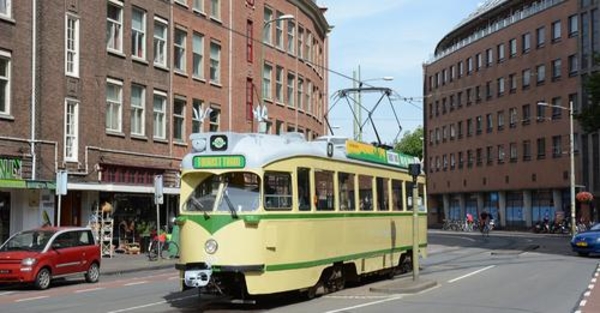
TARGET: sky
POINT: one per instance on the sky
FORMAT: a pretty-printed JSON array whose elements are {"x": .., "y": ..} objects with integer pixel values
[{"x": 385, "y": 38}]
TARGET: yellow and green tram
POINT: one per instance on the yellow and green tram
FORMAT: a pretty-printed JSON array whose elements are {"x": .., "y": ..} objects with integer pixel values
[{"x": 263, "y": 214}]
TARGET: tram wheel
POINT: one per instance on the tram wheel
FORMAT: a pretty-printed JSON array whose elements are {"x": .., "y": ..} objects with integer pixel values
[
  {"x": 405, "y": 263},
  {"x": 311, "y": 292}
]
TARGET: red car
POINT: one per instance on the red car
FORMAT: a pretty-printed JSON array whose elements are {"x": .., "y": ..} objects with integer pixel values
[{"x": 39, "y": 255}]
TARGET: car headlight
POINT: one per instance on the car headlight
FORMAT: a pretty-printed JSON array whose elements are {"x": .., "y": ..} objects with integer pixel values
[
  {"x": 211, "y": 246},
  {"x": 28, "y": 261}
]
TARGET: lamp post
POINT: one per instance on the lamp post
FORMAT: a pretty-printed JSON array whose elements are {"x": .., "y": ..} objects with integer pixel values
[
  {"x": 358, "y": 103},
  {"x": 572, "y": 159},
  {"x": 414, "y": 169},
  {"x": 262, "y": 59}
]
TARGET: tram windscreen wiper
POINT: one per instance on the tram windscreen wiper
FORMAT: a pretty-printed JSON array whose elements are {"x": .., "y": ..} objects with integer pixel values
[
  {"x": 198, "y": 206},
  {"x": 228, "y": 201}
]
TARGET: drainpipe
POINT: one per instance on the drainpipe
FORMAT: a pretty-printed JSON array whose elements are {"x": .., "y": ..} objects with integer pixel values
[
  {"x": 33, "y": 87},
  {"x": 229, "y": 95}
]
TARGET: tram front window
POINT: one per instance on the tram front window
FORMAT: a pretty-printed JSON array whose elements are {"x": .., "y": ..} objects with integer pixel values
[{"x": 226, "y": 192}]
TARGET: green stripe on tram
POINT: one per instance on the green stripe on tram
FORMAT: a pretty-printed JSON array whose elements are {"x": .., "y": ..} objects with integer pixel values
[
  {"x": 214, "y": 222},
  {"x": 364, "y": 255}
]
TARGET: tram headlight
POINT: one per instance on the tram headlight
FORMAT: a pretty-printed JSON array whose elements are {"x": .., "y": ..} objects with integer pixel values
[
  {"x": 211, "y": 246},
  {"x": 199, "y": 144}
]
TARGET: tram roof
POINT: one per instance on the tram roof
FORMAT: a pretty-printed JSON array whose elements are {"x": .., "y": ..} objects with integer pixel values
[{"x": 259, "y": 150}]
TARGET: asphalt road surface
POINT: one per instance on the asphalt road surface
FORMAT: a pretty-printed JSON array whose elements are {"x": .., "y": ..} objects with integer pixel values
[{"x": 507, "y": 272}]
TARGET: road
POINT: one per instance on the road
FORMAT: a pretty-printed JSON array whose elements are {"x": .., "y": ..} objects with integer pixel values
[{"x": 507, "y": 272}]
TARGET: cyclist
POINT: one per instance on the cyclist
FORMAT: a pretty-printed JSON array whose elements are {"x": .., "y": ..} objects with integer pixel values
[{"x": 484, "y": 221}]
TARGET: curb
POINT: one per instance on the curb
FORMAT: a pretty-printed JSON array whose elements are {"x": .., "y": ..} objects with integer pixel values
[
  {"x": 117, "y": 272},
  {"x": 587, "y": 293}
]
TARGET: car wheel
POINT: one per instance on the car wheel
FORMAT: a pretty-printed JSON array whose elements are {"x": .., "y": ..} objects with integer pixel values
[
  {"x": 42, "y": 279},
  {"x": 93, "y": 273}
]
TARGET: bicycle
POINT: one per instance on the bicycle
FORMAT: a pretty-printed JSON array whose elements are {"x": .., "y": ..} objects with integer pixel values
[{"x": 168, "y": 249}]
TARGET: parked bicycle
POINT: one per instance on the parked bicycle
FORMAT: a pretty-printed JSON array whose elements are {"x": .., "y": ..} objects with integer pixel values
[{"x": 168, "y": 248}]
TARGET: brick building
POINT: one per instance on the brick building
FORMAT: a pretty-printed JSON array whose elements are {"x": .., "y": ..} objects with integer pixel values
[
  {"x": 110, "y": 90},
  {"x": 490, "y": 145}
]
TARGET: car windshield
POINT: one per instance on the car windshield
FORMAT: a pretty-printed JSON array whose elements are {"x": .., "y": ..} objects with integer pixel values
[
  {"x": 28, "y": 241},
  {"x": 236, "y": 191}
]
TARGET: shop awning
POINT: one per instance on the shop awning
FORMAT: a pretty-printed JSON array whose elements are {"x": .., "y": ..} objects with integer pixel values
[
  {"x": 120, "y": 188},
  {"x": 27, "y": 184}
]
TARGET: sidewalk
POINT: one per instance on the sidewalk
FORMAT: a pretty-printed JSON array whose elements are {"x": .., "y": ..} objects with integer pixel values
[{"x": 128, "y": 263}]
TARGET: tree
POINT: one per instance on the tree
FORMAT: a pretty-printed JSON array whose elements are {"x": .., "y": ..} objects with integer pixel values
[
  {"x": 589, "y": 116},
  {"x": 411, "y": 143}
]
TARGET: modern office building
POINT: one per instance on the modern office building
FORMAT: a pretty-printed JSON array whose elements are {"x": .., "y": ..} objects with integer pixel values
[
  {"x": 108, "y": 92},
  {"x": 498, "y": 91}
]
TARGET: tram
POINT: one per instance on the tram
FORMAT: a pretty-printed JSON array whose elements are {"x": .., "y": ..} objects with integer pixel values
[{"x": 263, "y": 214}]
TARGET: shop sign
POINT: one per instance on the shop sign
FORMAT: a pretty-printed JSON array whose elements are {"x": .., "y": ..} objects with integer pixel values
[
  {"x": 10, "y": 168},
  {"x": 219, "y": 162}
]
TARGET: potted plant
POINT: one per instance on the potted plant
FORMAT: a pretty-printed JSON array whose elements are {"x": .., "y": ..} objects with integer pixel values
[{"x": 584, "y": 197}]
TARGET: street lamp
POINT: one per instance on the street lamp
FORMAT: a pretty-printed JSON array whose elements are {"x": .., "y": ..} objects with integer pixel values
[
  {"x": 262, "y": 60},
  {"x": 571, "y": 156},
  {"x": 358, "y": 104}
]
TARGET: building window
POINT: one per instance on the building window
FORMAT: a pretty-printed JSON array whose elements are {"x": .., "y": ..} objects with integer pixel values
[
  {"x": 512, "y": 115},
  {"x": 573, "y": 65},
  {"x": 197, "y": 115},
  {"x": 512, "y": 45},
  {"x": 300, "y": 90},
  {"x": 215, "y": 63},
  {"x": 513, "y": 152},
  {"x": 249, "y": 98},
  {"x": 266, "y": 85},
  {"x": 114, "y": 26},
  {"x": 300, "y": 42},
  {"x": 71, "y": 130},
  {"x": 198, "y": 6},
  {"x": 526, "y": 150},
  {"x": 291, "y": 80},
  {"x": 249, "y": 41},
  {"x": 72, "y": 46},
  {"x": 179, "y": 119},
  {"x": 540, "y": 36},
  {"x": 500, "y": 86},
  {"x": 279, "y": 84},
  {"x": 540, "y": 74},
  {"x": 526, "y": 42},
  {"x": 526, "y": 114},
  {"x": 291, "y": 32},
  {"x": 489, "y": 57},
  {"x": 469, "y": 65},
  {"x": 5, "y": 8},
  {"x": 182, "y": 2},
  {"x": 556, "y": 69},
  {"x": 526, "y": 78},
  {"x": 160, "y": 113},
  {"x": 198, "y": 55},
  {"x": 556, "y": 32},
  {"x": 541, "y": 113},
  {"x": 138, "y": 103},
  {"x": 114, "y": 105},
  {"x": 138, "y": 33},
  {"x": 215, "y": 9},
  {"x": 279, "y": 31},
  {"x": 179, "y": 50},
  {"x": 556, "y": 146},
  {"x": 500, "y": 120},
  {"x": 541, "y": 148},
  {"x": 489, "y": 123},
  {"x": 214, "y": 119},
  {"x": 5, "y": 68},
  {"x": 479, "y": 60},
  {"x": 500, "y": 154},
  {"x": 267, "y": 30},
  {"x": 513, "y": 82},
  {"x": 501, "y": 54},
  {"x": 556, "y": 108},
  {"x": 573, "y": 25},
  {"x": 160, "y": 42}
]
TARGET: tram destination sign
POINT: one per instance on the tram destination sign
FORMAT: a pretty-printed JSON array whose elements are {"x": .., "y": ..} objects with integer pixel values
[
  {"x": 369, "y": 153},
  {"x": 219, "y": 161}
]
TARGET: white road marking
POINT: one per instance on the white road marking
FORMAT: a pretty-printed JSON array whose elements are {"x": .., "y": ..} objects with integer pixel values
[
  {"x": 471, "y": 274},
  {"x": 467, "y": 238},
  {"x": 366, "y": 304},
  {"x": 88, "y": 290},
  {"x": 31, "y": 299},
  {"x": 6, "y": 293},
  {"x": 133, "y": 308},
  {"x": 136, "y": 283},
  {"x": 173, "y": 278}
]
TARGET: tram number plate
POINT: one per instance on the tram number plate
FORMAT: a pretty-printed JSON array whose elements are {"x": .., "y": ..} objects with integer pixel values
[{"x": 582, "y": 244}]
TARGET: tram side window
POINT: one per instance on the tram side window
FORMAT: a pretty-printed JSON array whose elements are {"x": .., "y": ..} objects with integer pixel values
[
  {"x": 303, "y": 189},
  {"x": 365, "y": 193},
  {"x": 324, "y": 190},
  {"x": 382, "y": 194},
  {"x": 346, "y": 183},
  {"x": 409, "y": 196},
  {"x": 397, "y": 195},
  {"x": 278, "y": 191}
]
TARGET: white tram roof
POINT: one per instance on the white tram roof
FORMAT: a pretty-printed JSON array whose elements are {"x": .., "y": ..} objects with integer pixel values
[{"x": 261, "y": 149}]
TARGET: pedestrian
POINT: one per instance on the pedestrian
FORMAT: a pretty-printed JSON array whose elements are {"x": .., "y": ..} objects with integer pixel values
[
  {"x": 483, "y": 220},
  {"x": 469, "y": 222}
]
